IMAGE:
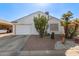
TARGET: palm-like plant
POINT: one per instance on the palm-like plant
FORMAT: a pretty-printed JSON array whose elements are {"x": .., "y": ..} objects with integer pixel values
[{"x": 66, "y": 17}]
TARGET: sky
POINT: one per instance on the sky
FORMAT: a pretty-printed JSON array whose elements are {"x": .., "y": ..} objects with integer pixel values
[{"x": 13, "y": 11}]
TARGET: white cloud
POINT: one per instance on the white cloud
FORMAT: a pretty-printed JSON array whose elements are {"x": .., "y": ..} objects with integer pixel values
[{"x": 42, "y": 4}]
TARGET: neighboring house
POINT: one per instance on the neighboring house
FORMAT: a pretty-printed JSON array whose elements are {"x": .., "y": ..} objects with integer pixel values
[
  {"x": 25, "y": 25},
  {"x": 5, "y": 26}
]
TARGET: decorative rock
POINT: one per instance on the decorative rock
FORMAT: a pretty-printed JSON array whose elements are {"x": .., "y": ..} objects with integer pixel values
[{"x": 74, "y": 51}]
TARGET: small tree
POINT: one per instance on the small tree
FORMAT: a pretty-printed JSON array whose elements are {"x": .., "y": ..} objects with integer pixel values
[
  {"x": 41, "y": 23},
  {"x": 72, "y": 27},
  {"x": 66, "y": 17},
  {"x": 76, "y": 25}
]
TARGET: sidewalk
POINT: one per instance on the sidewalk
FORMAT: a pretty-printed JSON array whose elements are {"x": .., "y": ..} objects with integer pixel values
[
  {"x": 42, "y": 53},
  {"x": 6, "y": 34}
]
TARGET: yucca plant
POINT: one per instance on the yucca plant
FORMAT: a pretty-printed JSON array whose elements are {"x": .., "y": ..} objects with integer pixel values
[{"x": 66, "y": 17}]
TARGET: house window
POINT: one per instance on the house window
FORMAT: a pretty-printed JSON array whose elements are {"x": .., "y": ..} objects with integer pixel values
[{"x": 53, "y": 27}]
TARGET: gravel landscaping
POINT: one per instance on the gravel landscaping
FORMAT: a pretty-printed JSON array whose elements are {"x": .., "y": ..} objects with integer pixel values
[{"x": 68, "y": 44}]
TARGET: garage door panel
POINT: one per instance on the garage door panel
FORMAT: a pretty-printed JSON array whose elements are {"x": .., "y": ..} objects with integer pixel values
[
  {"x": 23, "y": 29},
  {"x": 34, "y": 31}
]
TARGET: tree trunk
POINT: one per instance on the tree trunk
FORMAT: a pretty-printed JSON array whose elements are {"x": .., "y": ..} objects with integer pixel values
[
  {"x": 66, "y": 28},
  {"x": 41, "y": 34},
  {"x": 66, "y": 31}
]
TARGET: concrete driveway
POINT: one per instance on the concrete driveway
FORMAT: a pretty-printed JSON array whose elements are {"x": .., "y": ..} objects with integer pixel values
[{"x": 10, "y": 45}]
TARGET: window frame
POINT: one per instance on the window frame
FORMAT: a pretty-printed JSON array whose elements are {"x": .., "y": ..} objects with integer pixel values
[{"x": 53, "y": 25}]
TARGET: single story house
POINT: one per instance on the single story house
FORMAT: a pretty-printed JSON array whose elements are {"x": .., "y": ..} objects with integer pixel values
[{"x": 25, "y": 25}]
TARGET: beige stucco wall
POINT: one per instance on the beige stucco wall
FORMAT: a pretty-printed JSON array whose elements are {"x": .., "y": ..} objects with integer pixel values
[{"x": 29, "y": 20}]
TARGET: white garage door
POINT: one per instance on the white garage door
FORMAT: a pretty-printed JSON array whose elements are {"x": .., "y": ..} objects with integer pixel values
[{"x": 23, "y": 29}]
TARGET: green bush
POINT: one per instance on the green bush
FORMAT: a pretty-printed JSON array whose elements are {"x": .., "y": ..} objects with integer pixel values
[{"x": 41, "y": 23}]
